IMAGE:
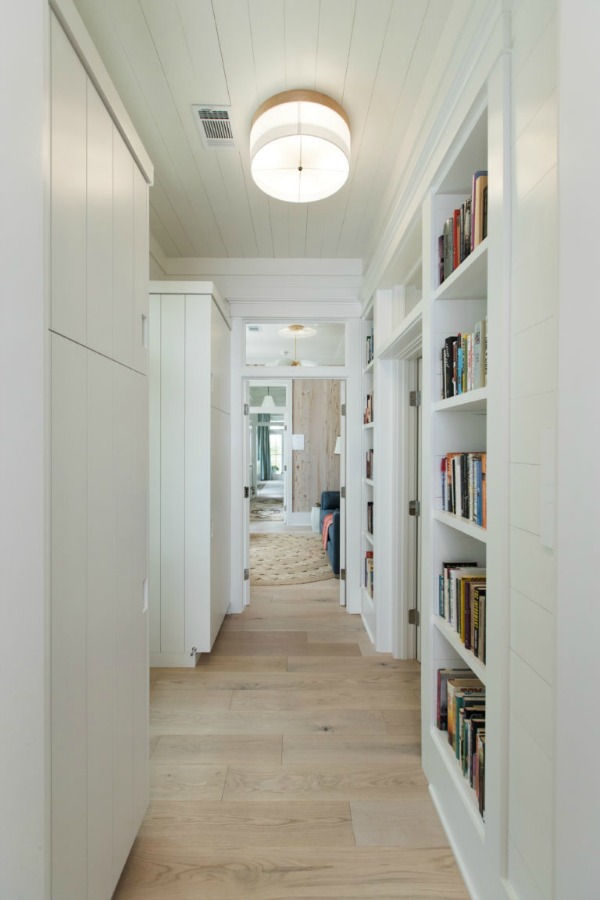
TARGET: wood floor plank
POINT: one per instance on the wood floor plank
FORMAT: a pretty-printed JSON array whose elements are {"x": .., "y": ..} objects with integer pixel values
[
  {"x": 349, "y": 748},
  {"x": 218, "y": 749},
  {"x": 410, "y": 822},
  {"x": 202, "y": 699},
  {"x": 255, "y": 663},
  {"x": 186, "y": 782},
  {"x": 403, "y": 721},
  {"x": 325, "y": 781},
  {"x": 364, "y": 697},
  {"x": 237, "y": 722},
  {"x": 291, "y": 681},
  {"x": 351, "y": 873},
  {"x": 381, "y": 661},
  {"x": 182, "y": 826}
]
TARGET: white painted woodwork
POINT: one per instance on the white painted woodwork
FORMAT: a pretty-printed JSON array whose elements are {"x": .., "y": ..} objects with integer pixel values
[
  {"x": 68, "y": 189},
  {"x": 140, "y": 273},
  {"x": 69, "y": 618},
  {"x": 98, "y": 712},
  {"x": 189, "y": 587}
]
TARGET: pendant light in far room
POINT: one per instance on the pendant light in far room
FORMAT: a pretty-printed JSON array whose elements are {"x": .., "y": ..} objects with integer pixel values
[
  {"x": 300, "y": 146},
  {"x": 268, "y": 402}
]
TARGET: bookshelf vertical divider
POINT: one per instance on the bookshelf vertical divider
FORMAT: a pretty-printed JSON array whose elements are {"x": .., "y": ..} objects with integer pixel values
[{"x": 476, "y": 289}]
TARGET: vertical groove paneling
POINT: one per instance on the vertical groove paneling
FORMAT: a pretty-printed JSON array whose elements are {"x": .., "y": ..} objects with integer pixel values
[
  {"x": 172, "y": 466},
  {"x": 68, "y": 624},
  {"x": 316, "y": 415},
  {"x": 154, "y": 512},
  {"x": 123, "y": 298},
  {"x": 68, "y": 189},
  {"x": 100, "y": 626},
  {"x": 99, "y": 236},
  {"x": 140, "y": 270}
]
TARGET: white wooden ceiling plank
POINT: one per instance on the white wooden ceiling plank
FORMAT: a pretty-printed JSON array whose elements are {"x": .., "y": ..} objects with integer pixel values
[
  {"x": 298, "y": 222},
  {"x": 161, "y": 234},
  {"x": 279, "y": 213},
  {"x": 216, "y": 168},
  {"x": 160, "y": 200},
  {"x": 121, "y": 36},
  {"x": 368, "y": 35},
  {"x": 301, "y": 39},
  {"x": 209, "y": 82},
  {"x": 336, "y": 20},
  {"x": 267, "y": 24},
  {"x": 403, "y": 38}
]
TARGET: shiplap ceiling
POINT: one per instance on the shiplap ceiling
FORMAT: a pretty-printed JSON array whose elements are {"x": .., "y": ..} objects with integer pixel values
[{"x": 164, "y": 56}]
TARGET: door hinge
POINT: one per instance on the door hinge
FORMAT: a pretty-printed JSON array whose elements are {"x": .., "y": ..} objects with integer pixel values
[
  {"x": 414, "y": 617},
  {"x": 246, "y": 574},
  {"x": 343, "y": 409},
  {"x": 414, "y": 398},
  {"x": 414, "y": 508},
  {"x": 193, "y": 651},
  {"x": 342, "y": 574},
  {"x": 246, "y": 492},
  {"x": 246, "y": 409},
  {"x": 343, "y": 492}
]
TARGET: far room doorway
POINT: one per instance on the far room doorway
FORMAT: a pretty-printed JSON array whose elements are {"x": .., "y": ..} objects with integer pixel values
[{"x": 294, "y": 470}]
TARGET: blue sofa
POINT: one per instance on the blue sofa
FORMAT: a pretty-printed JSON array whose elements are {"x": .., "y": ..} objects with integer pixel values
[{"x": 330, "y": 503}]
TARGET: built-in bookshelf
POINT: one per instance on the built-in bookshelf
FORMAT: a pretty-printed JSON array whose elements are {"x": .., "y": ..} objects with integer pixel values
[
  {"x": 368, "y": 605},
  {"x": 464, "y": 516}
]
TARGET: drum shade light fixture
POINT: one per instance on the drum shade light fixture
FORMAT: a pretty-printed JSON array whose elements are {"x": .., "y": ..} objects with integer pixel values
[{"x": 300, "y": 146}]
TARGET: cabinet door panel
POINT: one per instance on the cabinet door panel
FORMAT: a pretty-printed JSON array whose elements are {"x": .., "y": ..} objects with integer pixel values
[
  {"x": 123, "y": 460},
  {"x": 123, "y": 295},
  {"x": 68, "y": 189},
  {"x": 140, "y": 271},
  {"x": 68, "y": 619},
  {"x": 155, "y": 475},
  {"x": 99, "y": 225},
  {"x": 100, "y": 626},
  {"x": 220, "y": 354},
  {"x": 219, "y": 510},
  {"x": 198, "y": 485},
  {"x": 172, "y": 463}
]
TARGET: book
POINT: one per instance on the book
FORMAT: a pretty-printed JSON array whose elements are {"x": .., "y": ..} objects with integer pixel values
[
  {"x": 457, "y": 693},
  {"x": 443, "y": 676},
  {"x": 477, "y": 176}
]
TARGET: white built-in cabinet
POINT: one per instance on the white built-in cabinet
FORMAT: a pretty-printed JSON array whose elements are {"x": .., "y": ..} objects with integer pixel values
[
  {"x": 98, "y": 486},
  {"x": 189, "y": 471}
]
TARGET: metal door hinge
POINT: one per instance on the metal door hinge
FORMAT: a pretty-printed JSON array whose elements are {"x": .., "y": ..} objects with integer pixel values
[
  {"x": 193, "y": 651},
  {"x": 246, "y": 492},
  {"x": 343, "y": 492},
  {"x": 414, "y": 617},
  {"x": 414, "y": 398},
  {"x": 246, "y": 409},
  {"x": 343, "y": 410},
  {"x": 246, "y": 574},
  {"x": 414, "y": 508},
  {"x": 343, "y": 574}
]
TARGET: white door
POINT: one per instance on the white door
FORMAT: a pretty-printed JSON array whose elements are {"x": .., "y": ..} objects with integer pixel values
[{"x": 247, "y": 488}]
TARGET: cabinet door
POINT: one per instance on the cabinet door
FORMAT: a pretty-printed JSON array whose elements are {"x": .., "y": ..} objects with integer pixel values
[
  {"x": 140, "y": 272},
  {"x": 220, "y": 583},
  {"x": 99, "y": 240},
  {"x": 68, "y": 619},
  {"x": 123, "y": 251},
  {"x": 220, "y": 360},
  {"x": 68, "y": 189}
]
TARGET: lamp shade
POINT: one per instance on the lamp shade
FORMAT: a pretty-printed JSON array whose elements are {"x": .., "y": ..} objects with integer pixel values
[
  {"x": 268, "y": 402},
  {"x": 300, "y": 146}
]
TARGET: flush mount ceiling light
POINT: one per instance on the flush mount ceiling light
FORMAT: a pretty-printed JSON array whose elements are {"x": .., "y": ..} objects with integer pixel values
[
  {"x": 300, "y": 146},
  {"x": 297, "y": 331}
]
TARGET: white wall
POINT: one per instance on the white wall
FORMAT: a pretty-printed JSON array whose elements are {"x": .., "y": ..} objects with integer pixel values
[
  {"x": 534, "y": 343},
  {"x": 23, "y": 612},
  {"x": 577, "y": 824}
]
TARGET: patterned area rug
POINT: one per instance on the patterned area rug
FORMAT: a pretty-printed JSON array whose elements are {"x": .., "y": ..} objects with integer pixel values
[
  {"x": 287, "y": 559},
  {"x": 266, "y": 508}
]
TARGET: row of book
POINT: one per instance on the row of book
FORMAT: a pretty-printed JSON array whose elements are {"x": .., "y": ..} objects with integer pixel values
[
  {"x": 465, "y": 229},
  {"x": 369, "y": 572},
  {"x": 462, "y": 603},
  {"x": 369, "y": 350},
  {"x": 464, "y": 361},
  {"x": 368, "y": 414},
  {"x": 461, "y": 712},
  {"x": 464, "y": 490},
  {"x": 370, "y": 516},
  {"x": 369, "y": 464}
]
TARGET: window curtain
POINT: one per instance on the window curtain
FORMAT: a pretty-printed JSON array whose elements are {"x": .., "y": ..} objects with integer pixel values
[{"x": 264, "y": 447}]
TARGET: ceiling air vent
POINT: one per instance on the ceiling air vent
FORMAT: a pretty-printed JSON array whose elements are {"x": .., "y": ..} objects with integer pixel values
[{"x": 214, "y": 124}]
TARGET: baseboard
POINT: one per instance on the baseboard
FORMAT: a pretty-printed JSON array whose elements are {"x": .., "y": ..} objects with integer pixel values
[{"x": 173, "y": 660}]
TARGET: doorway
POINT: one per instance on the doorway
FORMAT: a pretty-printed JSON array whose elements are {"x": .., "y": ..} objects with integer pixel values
[{"x": 293, "y": 461}]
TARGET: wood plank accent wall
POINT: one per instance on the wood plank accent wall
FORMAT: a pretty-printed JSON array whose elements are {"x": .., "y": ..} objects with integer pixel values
[{"x": 316, "y": 415}]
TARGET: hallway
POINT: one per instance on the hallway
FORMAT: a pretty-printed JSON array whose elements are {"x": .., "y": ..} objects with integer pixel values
[{"x": 286, "y": 765}]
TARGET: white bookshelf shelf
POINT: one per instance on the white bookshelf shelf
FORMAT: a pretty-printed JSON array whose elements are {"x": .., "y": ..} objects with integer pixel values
[
  {"x": 462, "y": 525},
  {"x": 405, "y": 335},
  {"x": 469, "y": 280},
  {"x": 369, "y": 482},
  {"x": 471, "y": 401},
  {"x": 368, "y": 369},
  {"x": 463, "y": 788},
  {"x": 476, "y": 666},
  {"x": 368, "y": 603},
  {"x": 368, "y": 538},
  {"x": 369, "y": 425}
]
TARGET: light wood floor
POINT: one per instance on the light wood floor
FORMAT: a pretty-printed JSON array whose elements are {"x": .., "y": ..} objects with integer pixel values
[{"x": 286, "y": 765}]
